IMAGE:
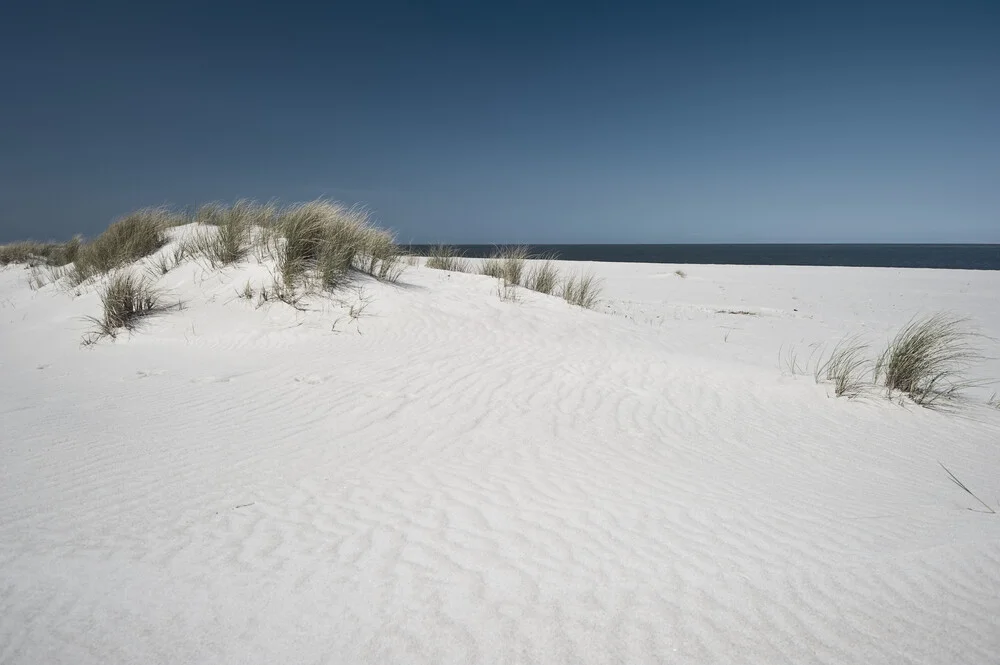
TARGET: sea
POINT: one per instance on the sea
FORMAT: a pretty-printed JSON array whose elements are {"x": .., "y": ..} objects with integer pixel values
[{"x": 955, "y": 257}]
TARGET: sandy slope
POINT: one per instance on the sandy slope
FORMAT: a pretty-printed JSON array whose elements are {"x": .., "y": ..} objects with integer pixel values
[{"x": 455, "y": 479}]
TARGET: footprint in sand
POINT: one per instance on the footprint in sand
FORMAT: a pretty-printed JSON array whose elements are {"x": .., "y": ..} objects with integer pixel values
[{"x": 212, "y": 379}]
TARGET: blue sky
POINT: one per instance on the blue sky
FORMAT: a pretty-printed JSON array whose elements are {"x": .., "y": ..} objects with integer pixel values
[{"x": 513, "y": 122}]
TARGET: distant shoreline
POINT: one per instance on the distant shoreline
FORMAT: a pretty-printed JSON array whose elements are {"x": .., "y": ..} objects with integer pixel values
[{"x": 938, "y": 256}]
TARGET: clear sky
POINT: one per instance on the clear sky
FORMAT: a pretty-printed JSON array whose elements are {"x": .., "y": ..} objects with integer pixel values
[{"x": 513, "y": 122}]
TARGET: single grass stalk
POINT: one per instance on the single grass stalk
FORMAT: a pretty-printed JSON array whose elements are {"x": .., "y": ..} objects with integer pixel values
[
  {"x": 958, "y": 482},
  {"x": 788, "y": 361},
  {"x": 247, "y": 292},
  {"x": 927, "y": 359}
]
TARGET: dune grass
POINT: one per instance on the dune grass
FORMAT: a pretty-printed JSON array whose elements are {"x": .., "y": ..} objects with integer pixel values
[
  {"x": 847, "y": 367},
  {"x": 331, "y": 239},
  {"x": 927, "y": 358},
  {"x": 954, "y": 479},
  {"x": 236, "y": 230},
  {"x": 506, "y": 263},
  {"x": 542, "y": 277},
  {"x": 21, "y": 252},
  {"x": 34, "y": 254},
  {"x": 125, "y": 300},
  {"x": 582, "y": 290},
  {"x": 127, "y": 240},
  {"x": 445, "y": 257}
]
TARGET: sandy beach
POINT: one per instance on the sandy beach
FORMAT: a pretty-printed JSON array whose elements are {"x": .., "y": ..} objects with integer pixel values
[{"x": 422, "y": 472}]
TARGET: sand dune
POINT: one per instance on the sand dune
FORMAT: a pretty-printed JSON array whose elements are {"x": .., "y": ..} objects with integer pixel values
[{"x": 454, "y": 479}]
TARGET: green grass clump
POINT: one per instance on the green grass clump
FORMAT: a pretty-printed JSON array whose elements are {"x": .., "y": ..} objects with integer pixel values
[
  {"x": 380, "y": 255},
  {"x": 543, "y": 277},
  {"x": 236, "y": 229},
  {"x": 445, "y": 257},
  {"x": 40, "y": 254},
  {"x": 583, "y": 290},
  {"x": 129, "y": 239},
  {"x": 31, "y": 253},
  {"x": 333, "y": 239},
  {"x": 125, "y": 300},
  {"x": 507, "y": 264},
  {"x": 927, "y": 358}
]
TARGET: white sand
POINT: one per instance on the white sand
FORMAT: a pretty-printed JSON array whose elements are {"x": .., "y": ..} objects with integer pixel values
[{"x": 455, "y": 479}]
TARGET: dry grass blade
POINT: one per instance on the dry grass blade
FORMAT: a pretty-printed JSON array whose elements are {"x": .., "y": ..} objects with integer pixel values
[
  {"x": 969, "y": 492},
  {"x": 927, "y": 358},
  {"x": 247, "y": 293}
]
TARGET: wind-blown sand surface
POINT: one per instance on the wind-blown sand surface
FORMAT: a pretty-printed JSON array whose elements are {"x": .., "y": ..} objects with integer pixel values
[{"x": 455, "y": 479}]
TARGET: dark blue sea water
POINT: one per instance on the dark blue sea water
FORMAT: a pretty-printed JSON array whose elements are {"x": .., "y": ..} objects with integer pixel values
[{"x": 967, "y": 257}]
